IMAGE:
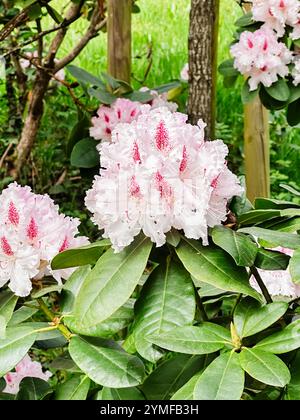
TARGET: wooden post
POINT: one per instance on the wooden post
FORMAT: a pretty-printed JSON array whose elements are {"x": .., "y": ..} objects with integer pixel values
[
  {"x": 203, "y": 47},
  {"x": 257, "y": 147},
  {"x": 119, "y": 39}
]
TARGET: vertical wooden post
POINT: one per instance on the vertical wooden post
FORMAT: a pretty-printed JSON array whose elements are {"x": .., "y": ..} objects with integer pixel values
[
  {"x": 119, "y": 39},
  {"x": 257, "y": 147},
  {"x": 203, "y": 47}
]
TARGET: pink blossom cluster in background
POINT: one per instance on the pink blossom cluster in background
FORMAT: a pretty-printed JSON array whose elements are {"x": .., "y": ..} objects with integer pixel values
[
  {"x": 158, "y": 173},
  {"x": 277, "y": 14},
  {"x": 24, "y": 369},
  {"x": 124, "y": 111},
  {"x": 32, "y": 232},
  {"x": 261, "y": 55},
  {"x": 278, "y": 282}
]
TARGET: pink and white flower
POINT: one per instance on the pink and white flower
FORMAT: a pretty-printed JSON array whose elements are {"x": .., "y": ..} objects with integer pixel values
[
  {"x": 259, "y": 56},
  {"x": 158, "y": 173},
  {"x": 278, "y": 282},
  {"x": 276, "y": 14},
  {"x": 24, "y": 369},
  {"x": 121, "y": 111},
  {"x": 32, "y": 232}
]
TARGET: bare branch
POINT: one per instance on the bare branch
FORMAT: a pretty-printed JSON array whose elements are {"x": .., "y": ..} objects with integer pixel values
[
  {"x": 95, "y": 25},
  {"x": 17, "y": 21}
]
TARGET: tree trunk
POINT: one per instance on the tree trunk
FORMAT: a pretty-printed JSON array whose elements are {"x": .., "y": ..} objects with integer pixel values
[
  {"x": 32, "y": 122},
  {"x": 119, "y": 39},
  {"x": 203, "y": 41}
]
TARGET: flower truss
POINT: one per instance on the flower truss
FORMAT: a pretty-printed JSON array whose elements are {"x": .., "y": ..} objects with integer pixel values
[
  {"x": 157, "y": 173},
  {"x": 278, "y": 282},
  {"x": 265, "y": 54},
  {"x": 32, "y": 232},
  {"x": 124, "y": 111},
  {"x": 24, "y": 369}
]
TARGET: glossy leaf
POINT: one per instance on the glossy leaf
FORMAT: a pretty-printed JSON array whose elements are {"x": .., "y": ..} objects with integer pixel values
[
  {"x": 186, "y": 392},
  {"x": 88, "y": 254},
  {"x": 119, "y": 394},
  {"x": 106, "y": 366},
  {"x": 85, "y": 154},
  {"x": 167, "y": 301},
  {"x": 250, "y": 317},
  {"x": 283, "y": 341},
  {"x": 75, "y": 388},
  {"x": 242, "y": 249},
  {"x": 286, "y": 240},
  {"x": 265, "y": 367},
  {"x": 33, "y": 389},
  {"x": 214, "y": 266},
  {"x": 271, "y": 260},
  {"x": 293, "y": 388},
  {"x": 207, "y": 338},
  {"x": 223, "y": 379},
  {"x": 111, "y": 282},
  {"x": 294, "y": 266},
  {"x": 14, "y": 347},
  {"x": 171, "y": 375}
]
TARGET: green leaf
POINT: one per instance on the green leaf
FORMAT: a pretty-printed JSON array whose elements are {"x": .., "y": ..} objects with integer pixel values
[
  {"x": 295, "y": 266},
  {"x": 268, "y": 203},
  {"x": 279, "y": 90},
  {"x": 79, "y": 131},
  {"x": 186, "y": 392},
  {"x": 84, "y": 76},
  {"x": 242, "y": 249},
  {"x": 111, "y": 282},
  {"x": 14, "y": 347},
  {"x": 85, "y": 154},
  {"x": 247, "y": 94},
  {"x": 207, "y": 338},
  {"x": 109, "y": 367},
  {"x": 258, "y": 216},
  {"x": 75, "y": 388},
  {"x": 293, "y": 387},
  {"x": 21, "y": 315},
  {"x": 245, "y": 20},
  {"x": 269, "y": 102},
  {"x": 290, "y": 189},
  {"x": 171, "y": 375},
  {"x": 250, "y": 317},
  {"x": 214, "y": 266},
  {"x": 227, "y": 68},
  {"x": 57, "y": 17},
  {"x": 264, "y": 367},
  {"x": 106, "y": 329},
  {"x": 271, "y": 260},
  {"x": 71, "y": 288},
  {"x": 167, "y": 301},
  {"x": 223, "y": 379},
  {"x": 84, "y": 255},
  {"x": 293, "y": 114},
  {"x": 8, "y": 301},
  {"x": 173, "y": 237},
  {"x": 132, "y": 394},
  {"x": 34, "y": 11},
  {"x": 37, "y": 293},
  {"x": 138, "y": 96},
  {"x": 167, "y": 87},
  {"x": 33, "y": 389},
  {"x": 282, "y": 341},
  {"x": 286, "y": 240},
  {"x": 102, "y": 95}
]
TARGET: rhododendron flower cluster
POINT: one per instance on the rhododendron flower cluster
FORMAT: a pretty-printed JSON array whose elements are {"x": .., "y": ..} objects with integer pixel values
[
  {"x": 124, "y": 111},
  {"x": 277, "y": 14},
  {"x": 24, "y": 369},
  {"x": 157, "y": 173},
  {"x": 32, "y": 232},
  {"x": 278, "y": 282},
  {"x": 260, "y": 56}
]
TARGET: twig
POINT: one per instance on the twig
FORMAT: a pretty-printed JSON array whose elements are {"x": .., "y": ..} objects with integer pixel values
[
  {"x": 261, "y": 284},
  {"x": 3, "y": 157},
  {"x": 54, "y": 319}
]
